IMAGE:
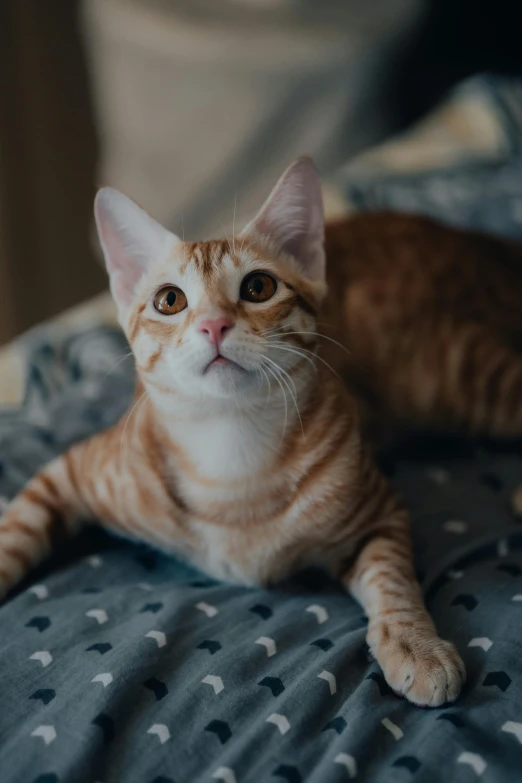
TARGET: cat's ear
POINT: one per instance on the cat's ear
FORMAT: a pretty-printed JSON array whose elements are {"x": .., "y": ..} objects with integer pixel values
[
  {"x": 292, "y": 218},
  {"x": 131, "y": 241}
]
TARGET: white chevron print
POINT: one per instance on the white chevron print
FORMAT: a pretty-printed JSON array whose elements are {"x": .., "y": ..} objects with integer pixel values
[
  {"x": 474, "y": 761},
  {"x": 144, "y": 586},
  {"x": 348, "y": 762},
  {"x": 159, "y": 636},
  {"x": 503, "y": 547},
  {"x": 330, "y": 679},
  {"x": 269, "y": 644},
  {"x": 517, "y": 597},
  {"x": 94, "y": 561},
  {"x": 47, "y": 733},
  {"x": 319, "y": 611},
  {"x": 438, "y": 475},
  {"x": 43, "y": 656},
  {"x": 216, "y": 682},
  {"x": 100, "y": 615},
  {"x": 392, "y": 728},
  {"x": 40, "y": 591},
  {"x": 513, "y": 728},
  {"x": 456, "y": 526},
  {"x": 225, "y": 774},
  {"x": 106, "y": 678},
  {"x": 453, "y": 574},
  {"x": 281, "y": 721},
  {"x": 161, "y": 731},
  {"x": 481, "y": 641},
  {"x": 208, "y": 609}
]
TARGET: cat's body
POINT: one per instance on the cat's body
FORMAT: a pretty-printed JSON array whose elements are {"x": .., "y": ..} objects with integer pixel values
[
  {"x": 242, "y": 451},
  {"x": 430, "y": 316}
]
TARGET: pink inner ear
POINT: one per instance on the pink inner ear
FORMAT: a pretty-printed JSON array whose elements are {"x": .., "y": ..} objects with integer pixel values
[
  {"x": 124, "y": 270},
  {"x": 293, "y": 218},
  {"x": 131, "y": 240}
]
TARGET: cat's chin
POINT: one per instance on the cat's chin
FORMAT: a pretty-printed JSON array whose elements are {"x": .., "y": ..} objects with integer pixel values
[{"x": 223, "y": 378}]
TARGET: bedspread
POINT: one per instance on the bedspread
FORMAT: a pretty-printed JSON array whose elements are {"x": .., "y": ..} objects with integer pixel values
[{"x": 119, "y": 664}]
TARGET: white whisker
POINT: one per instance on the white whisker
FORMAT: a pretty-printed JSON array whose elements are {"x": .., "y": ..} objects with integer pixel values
[
  {"x": 296, "y": 351},
  {"x": 134, "y": 407},
  {"x": 269, "y": 369},
  {"x": 270, "y": 333},
  {"x": 119, "y": 361},
  {"x": 315, "y": 355},
  {"x": 234, "y": 224},
  {"x": 283, "y": 374}
]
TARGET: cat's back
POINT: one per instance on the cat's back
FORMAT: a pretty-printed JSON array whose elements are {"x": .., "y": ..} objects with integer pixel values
[{"x": 409, "y": 266}]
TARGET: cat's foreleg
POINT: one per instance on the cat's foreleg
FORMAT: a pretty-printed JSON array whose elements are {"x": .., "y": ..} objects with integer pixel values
[
  {"x": 401, "y": 634},
  {"x": 50, "y": 507}
]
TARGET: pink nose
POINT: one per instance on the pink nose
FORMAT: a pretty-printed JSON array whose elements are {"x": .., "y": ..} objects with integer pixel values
[{"x": 215, "y": 329}]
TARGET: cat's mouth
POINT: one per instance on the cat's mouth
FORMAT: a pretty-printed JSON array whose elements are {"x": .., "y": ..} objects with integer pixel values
[{"x": 220, "y": 361}]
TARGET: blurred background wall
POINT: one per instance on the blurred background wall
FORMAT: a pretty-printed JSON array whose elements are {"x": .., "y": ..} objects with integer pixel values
[{"x": 192, "y": 106}]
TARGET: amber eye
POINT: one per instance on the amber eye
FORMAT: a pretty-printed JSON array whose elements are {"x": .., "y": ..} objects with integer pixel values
[
  {"x": 170, "y": 300},
  {"x": 258, "y": 287}
]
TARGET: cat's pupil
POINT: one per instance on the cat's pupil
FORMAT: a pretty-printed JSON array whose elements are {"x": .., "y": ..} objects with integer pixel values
[
  {"x": 171, "y": 298},
  {"x": 258, "y": 285}
]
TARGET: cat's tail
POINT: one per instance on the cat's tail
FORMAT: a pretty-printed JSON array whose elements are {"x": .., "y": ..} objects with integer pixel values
[{"x": 47, "y": 509}]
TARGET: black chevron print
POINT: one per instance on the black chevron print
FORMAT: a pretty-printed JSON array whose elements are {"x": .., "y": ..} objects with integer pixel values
[
  {"x": 211, "y": 645},
  {"x": 158, "y": 688},
  {"x": 274, "y": 684},
  {"x": 154, "y": 608},
  {"x": 47, "y": 777},
  {"x": 338, "y": 724},
  {"x": 263, "y": 611},
  {"x": 290, "y": 774},
  {"x": 45, "y": 695},
  {"x": 42, "y": 623},
  {"x": 452, "y": 717},
  {"x": 101, "y": 647},
  {"x": 384, "y": 688},
  {"x": 162, "y": 779},
  {"x": 91, "y": 590},
  {"x": 469, "y": 602},
  {"x": 221, "y": 729},
  {"x": 499, "y": 680},
  {"x": 106, "y": 724},
  {"x": 408, "y": 762},
  {"x": 323, "y": 644}
]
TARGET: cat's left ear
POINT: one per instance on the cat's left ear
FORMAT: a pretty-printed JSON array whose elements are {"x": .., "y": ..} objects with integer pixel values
[
  {"x": 131, "y": 241},
  {"x": 292, "y": 218}
]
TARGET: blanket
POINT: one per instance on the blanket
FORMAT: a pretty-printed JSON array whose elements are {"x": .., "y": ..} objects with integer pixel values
[{"x": 119, "y": 664}]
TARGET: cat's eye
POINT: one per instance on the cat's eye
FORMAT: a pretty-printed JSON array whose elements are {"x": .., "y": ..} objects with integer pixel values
[
  {"x": 170, "y": 300},
  {"x": 258, "y": 287}
]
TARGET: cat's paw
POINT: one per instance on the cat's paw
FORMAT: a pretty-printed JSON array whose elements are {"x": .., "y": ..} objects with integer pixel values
[{"x": 426, "y": 670}]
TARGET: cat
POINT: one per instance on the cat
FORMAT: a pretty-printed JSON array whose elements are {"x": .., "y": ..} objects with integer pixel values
[
  {"x": 430, "y": 318},
  {"x": 242, "y": 451}
]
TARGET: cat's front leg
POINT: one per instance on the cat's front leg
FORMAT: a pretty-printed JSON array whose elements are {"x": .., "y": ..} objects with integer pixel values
[
  {"x": 45, "y": 510},
  {"x": 402, "y": 637}
]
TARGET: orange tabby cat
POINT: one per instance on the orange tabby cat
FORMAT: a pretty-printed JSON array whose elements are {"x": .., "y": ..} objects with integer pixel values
[
  {"x": 242, "y": 452},
  {"x": 432, "y": 320}
]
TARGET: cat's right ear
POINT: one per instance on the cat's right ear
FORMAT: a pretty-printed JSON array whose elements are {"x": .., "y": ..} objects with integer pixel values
[{"x": 131, "y": 241}]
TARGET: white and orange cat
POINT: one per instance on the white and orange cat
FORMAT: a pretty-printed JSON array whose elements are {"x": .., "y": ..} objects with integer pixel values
[{"x": 241, "y": 452}]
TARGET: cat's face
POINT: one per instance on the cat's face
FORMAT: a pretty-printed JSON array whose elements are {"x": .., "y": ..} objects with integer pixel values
[{"x": 220, "y": 319}]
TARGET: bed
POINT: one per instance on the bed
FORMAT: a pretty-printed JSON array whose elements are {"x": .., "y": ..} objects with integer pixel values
[{"x": 122, "y": 665}]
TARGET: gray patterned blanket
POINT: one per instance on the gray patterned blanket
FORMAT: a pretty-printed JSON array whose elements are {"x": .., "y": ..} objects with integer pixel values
[{"x": 121, "y": 665}]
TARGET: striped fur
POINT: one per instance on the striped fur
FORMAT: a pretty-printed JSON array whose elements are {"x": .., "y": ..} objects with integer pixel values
[{"x": 253, "y": 468}]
